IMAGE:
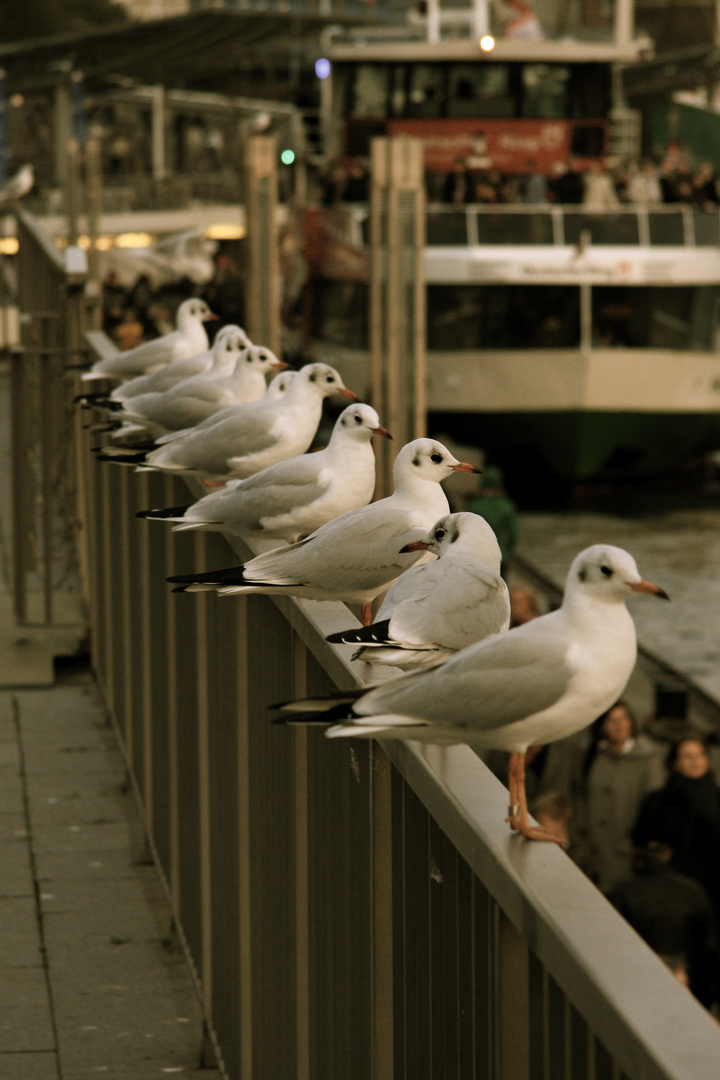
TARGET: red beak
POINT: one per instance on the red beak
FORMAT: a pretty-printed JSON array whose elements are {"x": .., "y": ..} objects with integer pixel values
[
  {"x": 463, "y": 466},
  {"x": 648, "y": 587},
  {"x": 348, "y": 393},
  {"x": 381, "y": 431},
  {"x": 280, "y": 366},
  {"x": 414, "y": 545}
]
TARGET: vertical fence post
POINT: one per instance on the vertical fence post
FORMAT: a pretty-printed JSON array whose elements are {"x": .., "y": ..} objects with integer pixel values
[
  {"x": 397, "y": 288},
  {"x": 262, "y": 283}
]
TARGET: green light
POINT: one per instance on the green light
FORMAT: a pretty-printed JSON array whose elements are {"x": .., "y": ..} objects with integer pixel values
[{"x": 287, "y": 157}]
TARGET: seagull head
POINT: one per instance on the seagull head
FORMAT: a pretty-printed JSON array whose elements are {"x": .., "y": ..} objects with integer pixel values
[
  {"x": 259, "y": 358},
  {"x": 360, "y": 421},
  {"x": 192, "y": 310},
  {"x": 325, "y": 380},
  {"x": 608, "y": 573},
  {"x": 427, "y": 459},
  {"x": 464, "y": 532}
]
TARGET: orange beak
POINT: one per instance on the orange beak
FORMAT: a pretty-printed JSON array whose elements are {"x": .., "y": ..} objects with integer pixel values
[
  {"x": 414, "y": 545},
  {"x": 648, "y": 587},
  {"x": 349, "y": 394},
  {"x": 280, "y": 366},
  {"x": 381, "y": 431},
  {"x": 463, "y": 466}
]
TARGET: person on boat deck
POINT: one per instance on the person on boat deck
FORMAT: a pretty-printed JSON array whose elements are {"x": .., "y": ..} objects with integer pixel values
[
  {"x": 499, "y": 510},
  {"x": 619, "y": 768},
  {"x": 599, "y": 188}
]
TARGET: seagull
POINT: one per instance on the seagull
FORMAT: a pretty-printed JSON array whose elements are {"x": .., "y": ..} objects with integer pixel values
[
  {"x": 292, "y": 498},
  {"x": 437, "y": 608},
  {"x": 278, "y": 386},
  {"x": 188, "y": 339},
  {"x": 157, "y": 382},
  {"x": 237, "y": 375},
  {"x": 357, "y": 556},
  {"x": 539, "y": 682},
  {"x": 18, "y": 185},
  {"x": 244, "y": 444}
]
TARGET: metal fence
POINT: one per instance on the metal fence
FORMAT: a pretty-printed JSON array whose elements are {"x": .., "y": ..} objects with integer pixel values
[{"x": 350, "y": 910}]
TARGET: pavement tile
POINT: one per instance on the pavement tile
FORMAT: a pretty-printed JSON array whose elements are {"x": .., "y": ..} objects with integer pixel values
[
  {"x": 24, "y": 1011},
  {"x": 91, "y": 865},
  {"x": 65, "y": 805},
  {"x": 19, "y": 933},
  {"x": 16, "y": 878},
  {"x": 29, "y": 1066},
  {"x": 11, "y": 791},
  {"x": 72, "y": 838}
]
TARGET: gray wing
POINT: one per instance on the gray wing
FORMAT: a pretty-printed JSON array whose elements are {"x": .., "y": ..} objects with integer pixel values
[
  {"x": 496, "y": 682},
  {"x": 273, "y": 493},
  {"x": 210, "y": 449}
]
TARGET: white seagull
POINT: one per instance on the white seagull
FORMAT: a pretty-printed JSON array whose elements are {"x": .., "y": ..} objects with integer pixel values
[
  {"x": 243, "y": 444},
  {"x": 292, "y": 498},
  {"x": 357, "y": 556},
  {"x": 437, "y": 608},
  {"x": 157, "y": 382},
  {"x": 187, "y": 339},
  {"x": 237, "y": 376},
  {"x": 539, "y": 682}
]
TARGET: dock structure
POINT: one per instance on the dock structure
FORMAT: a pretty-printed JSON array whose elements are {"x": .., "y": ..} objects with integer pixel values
[{"x": 346, "y": 909}]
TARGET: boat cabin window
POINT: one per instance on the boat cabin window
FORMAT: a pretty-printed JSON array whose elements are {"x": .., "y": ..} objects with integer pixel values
[
  {"x": 544, "y": 91},
  {"x": 534, "y": 228},
  {"x": 608, "y": 228},
  {"x": 446, "y": 229},
  {"x": 654, "y": 317},
  {"x": 480, "y": 90},
  {"x": 426, "y": 91},
  {"x": 707, "y": 228},
  {"x": 498, "y": 317},
  {"x": 369, "y": 90},
  {"x": 667, "y": 229}
]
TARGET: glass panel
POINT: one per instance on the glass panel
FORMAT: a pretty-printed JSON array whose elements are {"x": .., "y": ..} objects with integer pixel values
[
  {"x": 544, "y": 91},
  {"x": 341, "y": 313},
  {"x": 426, "y": 90},
  {"x": 370, "y": 90},
  {"x": 479, "y": 90},
  {"x": 498, "y": 317},
  {"x": 446, "y": 228},
  {"x": 654, "y": 317},
  {"x": 666, "y": 228},
  {"x": 603, "y": 228},
  {"x": 707, "y": 228},
  {"x": 514, "y": 228}
]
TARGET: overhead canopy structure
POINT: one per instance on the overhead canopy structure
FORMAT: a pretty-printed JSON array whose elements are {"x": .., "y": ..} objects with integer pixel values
[{"x": 215, "y": 50}]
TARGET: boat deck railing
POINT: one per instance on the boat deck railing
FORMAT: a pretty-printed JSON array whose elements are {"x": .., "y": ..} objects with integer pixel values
[{"x": 349, "y": 909}]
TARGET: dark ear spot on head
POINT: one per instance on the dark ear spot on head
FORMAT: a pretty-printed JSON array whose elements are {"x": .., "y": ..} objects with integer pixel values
[
  {"x": 582, "y": 573},
  {"x": 416, "y": 460},
  {"x": 312, "y": 378},
  {"x": 454, "y": 535}
]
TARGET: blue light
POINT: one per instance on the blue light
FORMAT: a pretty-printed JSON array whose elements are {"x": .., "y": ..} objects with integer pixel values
[
  {"x": 322, "y": 68},
  {"x": 287, "y": 157}
]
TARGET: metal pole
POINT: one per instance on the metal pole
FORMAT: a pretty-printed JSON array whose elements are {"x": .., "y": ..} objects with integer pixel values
[{"x": 262, "y": 286}]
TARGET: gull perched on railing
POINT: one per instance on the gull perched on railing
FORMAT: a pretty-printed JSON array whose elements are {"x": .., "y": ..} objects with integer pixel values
[
  {"x": 539, "y": 682},
  {"x": 437, "y": 608},
  {"x": 292, "y": 498},
  {"x": 243, "y": 444},
  {"x": 188, "y": 339},
  {"x": 357, "y": 556}
]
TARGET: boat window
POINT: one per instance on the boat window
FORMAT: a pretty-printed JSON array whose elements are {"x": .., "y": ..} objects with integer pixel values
[
  {"x": 426, "y": 90},
  {"x": 531, "y": 228},
  {"x": 544, "y": 91},
  {"x": 480, "y": 90},
  {"x": 653, "y": 317},
  {"x": 498, "y": 317},
  {"x": 369, "y": 96},
  {"x": 609, "y": 228},
  {"x": 707, "y": 228},
  {"x": 446, "y": 228},
  {"x": 341, "y": 313},
  {"x": 666, "y": 228}
]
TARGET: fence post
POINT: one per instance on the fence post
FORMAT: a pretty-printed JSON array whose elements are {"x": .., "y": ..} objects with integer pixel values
[
  {"x": 397, "y": 289},
  {"x": 262, "y": 279}
]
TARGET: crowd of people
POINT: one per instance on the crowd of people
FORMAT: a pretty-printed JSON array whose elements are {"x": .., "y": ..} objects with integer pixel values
[{"x": 666, "y": 179}]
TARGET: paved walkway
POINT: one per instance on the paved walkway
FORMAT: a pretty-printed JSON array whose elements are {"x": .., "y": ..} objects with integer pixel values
[{"x": 90, "y": 984}]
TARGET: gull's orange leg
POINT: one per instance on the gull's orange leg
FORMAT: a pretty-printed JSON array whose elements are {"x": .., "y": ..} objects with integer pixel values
[{"x": 518, "y": 817}]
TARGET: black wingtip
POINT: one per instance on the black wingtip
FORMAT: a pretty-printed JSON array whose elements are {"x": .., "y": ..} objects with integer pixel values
[
  {"x": 169, "y": 512},
  {"x": 233, "y": 575}
]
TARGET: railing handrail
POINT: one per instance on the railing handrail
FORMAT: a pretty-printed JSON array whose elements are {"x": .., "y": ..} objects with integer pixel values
[{"x": 651, "y": 1025}]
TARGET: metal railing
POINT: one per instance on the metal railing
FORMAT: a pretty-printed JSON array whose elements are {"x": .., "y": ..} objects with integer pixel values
[{"x": 348, "y": 909}]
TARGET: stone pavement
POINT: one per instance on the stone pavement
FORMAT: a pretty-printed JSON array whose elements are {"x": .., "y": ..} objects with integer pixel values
[{"x": 90, "y": 981}]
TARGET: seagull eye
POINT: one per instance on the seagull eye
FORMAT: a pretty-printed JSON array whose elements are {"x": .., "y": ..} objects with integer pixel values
[
  {"x": 606, "y": 571},
  {"x": 358, "y": 418},
  {"x": 437, "y": 458},
  {"x": 439, "y": 533},
  {"x": 330, "y": 378}
]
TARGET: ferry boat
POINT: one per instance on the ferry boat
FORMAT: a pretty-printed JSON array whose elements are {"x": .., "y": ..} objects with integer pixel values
[
  {"x": 586, "y": 341},
  {"x": 589, "y": 341}
]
